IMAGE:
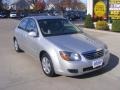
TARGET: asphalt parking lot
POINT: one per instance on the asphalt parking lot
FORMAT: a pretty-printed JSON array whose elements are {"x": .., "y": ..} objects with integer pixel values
[{"x": 22, "y": 72}]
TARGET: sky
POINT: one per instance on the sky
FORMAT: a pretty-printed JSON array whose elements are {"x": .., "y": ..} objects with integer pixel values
[{"x": 84, "y": 1}]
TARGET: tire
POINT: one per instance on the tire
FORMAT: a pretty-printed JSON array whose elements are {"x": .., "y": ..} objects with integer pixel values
[
  {"x": 47, "y": 65},
  {"x": 16, "y": 46}
]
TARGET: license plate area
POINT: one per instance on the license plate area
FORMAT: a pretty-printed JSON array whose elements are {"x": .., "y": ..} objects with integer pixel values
[{"x": 97, "y": 63}]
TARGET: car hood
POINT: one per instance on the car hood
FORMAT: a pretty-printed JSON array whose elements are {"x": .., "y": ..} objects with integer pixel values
[{"x": 76, "y": 42}]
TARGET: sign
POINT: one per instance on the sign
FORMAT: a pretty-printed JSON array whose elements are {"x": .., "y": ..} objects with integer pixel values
[
  {"x": 100, "y": 9},
  {"x": 114, "y": 7},
  {"x": 97, "y": 63}
]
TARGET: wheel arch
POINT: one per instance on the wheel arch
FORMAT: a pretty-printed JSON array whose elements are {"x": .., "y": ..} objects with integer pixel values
[
  {"x": 41, "y": 53},
  {"x": 54, "y": 59}
]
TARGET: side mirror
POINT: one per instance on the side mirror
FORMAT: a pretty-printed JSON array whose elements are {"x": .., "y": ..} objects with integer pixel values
[{"x": 32, "y": 34}]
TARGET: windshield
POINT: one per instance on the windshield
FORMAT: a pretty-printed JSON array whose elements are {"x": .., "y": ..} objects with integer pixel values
[
  {"x": 13, "y": 12},
  {"x": 1, "y": 12},
  {"x": 54, "y": 27}
]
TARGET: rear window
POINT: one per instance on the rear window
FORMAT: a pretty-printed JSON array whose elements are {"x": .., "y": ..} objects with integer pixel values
[{"x": 23, "y": 24}]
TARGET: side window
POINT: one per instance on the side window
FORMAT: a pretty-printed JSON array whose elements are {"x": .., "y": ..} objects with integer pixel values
[
  {"x": 23, "y": 24},
  {"x": 32, "y": 26}
]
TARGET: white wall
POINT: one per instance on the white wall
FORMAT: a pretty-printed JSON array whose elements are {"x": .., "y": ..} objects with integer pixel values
[{"x": 90, "y": 7}]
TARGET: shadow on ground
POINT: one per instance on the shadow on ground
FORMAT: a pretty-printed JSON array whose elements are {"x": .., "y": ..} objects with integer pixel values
[{"x": 113, "y": 62}]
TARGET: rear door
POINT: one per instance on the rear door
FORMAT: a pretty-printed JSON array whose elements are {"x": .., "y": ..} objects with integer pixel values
[{"x": 21, "y": 33}]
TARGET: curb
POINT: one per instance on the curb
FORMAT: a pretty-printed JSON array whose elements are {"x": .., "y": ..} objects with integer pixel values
[{"x": 100, "y": 31}]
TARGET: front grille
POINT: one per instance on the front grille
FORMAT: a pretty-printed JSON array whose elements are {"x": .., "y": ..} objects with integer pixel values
[
  {"x": 93, "y": 54},
  {"x": 89, "y": 68}
]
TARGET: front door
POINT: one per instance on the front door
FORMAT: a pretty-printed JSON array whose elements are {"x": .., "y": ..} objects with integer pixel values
[{"x": 32, "y": 42}]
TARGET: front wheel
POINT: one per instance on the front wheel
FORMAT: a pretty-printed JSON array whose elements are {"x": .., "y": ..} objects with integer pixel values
[{"x": 47, "y": 65}]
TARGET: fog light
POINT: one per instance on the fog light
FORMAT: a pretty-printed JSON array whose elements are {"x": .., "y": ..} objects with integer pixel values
[{"x": 73, "y": 70}]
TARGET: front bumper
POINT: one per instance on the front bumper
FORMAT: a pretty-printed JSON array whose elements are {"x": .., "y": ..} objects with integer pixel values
[{"x": 75, "y": 68}]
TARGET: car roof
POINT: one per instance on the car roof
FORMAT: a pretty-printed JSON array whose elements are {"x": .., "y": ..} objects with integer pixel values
[{"x": 45, "y": 17}]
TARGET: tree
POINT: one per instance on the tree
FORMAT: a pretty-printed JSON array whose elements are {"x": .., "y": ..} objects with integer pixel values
[
  {"x": 72, "y": 4},
  {"x": 1, "y": 5},
  {"x": 89, "y": 22},
  {"x": 39, "y": 5},
  {"x": 6, "y": 6}
]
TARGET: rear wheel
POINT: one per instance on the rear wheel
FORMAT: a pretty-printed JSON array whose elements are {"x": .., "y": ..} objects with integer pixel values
[
  {"x": 16, "y": 46},
  {"x": 47, "y": 65}
]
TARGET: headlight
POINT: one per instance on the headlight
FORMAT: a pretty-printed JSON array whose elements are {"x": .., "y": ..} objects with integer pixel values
[{"x": 70, "y": 56}]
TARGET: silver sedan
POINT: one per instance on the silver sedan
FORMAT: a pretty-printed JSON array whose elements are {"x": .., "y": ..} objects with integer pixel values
[{"x": 61, "y": 47}]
